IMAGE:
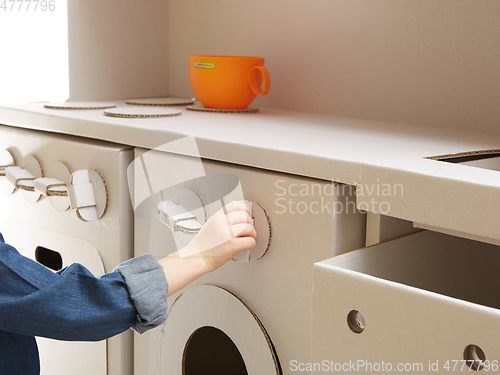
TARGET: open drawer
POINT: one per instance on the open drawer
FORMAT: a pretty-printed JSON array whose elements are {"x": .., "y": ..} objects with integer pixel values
[
  {"x": 483, "y": 159},
  {"x": 426, "y": 302}
]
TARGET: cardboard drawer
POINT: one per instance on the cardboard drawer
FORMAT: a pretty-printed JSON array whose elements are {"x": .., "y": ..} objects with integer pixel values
[{"x": 426, "y": 302}]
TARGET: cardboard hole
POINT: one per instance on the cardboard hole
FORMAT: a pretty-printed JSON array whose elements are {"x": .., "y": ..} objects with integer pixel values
[
  {"x": 49, "y": 258},
  {"x": 209, "y": 351},
  {"x": 356, "y": 321},
  {"x": 475, "y": 357}
]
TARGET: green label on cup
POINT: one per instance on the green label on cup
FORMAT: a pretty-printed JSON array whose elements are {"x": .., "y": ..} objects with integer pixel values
[{"x": 204, "y": 65}]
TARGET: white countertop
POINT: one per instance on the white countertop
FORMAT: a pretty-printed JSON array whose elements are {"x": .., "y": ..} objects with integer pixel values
[{"x": 353, "y": 151}]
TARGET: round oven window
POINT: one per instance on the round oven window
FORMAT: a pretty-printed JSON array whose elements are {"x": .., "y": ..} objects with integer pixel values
[{"x": 209, "y": 351}]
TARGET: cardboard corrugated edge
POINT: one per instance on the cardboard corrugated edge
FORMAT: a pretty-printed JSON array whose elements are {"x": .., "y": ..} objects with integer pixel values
[
  {"x": 264, "y": 331},
  {"x": 486, "y": 153},
  {"x": 239, "y": 302}
]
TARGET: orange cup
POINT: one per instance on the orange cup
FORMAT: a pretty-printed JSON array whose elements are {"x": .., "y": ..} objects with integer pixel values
[{"x": 228, "y": 82}]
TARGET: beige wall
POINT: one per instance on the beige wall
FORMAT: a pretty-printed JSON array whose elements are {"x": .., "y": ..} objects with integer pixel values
[
  {"x": 117, "y": 49},
  {"x": 430, "y": 62}
]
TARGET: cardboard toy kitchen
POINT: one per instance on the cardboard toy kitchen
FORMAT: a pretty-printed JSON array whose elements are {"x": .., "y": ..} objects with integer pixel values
[{"x": 371, "y": 168}]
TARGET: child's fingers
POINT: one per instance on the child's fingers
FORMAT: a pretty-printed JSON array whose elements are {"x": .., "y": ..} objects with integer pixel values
[
  {"x": 244, "y": 230},
  {"x": 236, "y": 206},
  {"x": 245, "y": 243},
  {"x": 239, "y": 217}
]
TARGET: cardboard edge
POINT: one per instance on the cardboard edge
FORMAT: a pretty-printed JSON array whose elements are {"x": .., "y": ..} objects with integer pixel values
[
  {"x": 451, "y": 232},
  {"x": 326, "y": 268},
  {"x": 367, "y": 247},
  {"x": 487, "y": 153}
]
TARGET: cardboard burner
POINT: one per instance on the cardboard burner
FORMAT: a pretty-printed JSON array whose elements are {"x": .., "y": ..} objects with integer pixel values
[
  {"x": 79, "y": 105},
  {"x": 142, "y": 112},
  {"x": 166, "y": 101},
  {"x": 200, "y": 108}
]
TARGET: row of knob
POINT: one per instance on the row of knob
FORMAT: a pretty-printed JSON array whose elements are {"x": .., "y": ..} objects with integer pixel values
[{"x": 84, "y": 190}]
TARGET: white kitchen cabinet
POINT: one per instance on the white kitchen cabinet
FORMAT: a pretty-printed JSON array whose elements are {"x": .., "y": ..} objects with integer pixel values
[
  {"x": 428, "y": 63},
  {"x": 44, "y": 228},
  {"x": 272, "y": 153},
  {"x": 310, "y": 220}
]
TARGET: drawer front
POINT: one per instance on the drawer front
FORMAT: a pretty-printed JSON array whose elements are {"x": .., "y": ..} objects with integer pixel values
[{"x": 426, "y": 302}]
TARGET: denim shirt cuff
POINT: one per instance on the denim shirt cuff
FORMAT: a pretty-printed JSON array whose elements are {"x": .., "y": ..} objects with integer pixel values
[{"x": 148, "y": 287}]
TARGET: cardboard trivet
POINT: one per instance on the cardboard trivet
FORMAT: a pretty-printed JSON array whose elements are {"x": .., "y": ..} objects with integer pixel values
[
  {"x": 200, "y": 108},
  {"x": 80, "y": 105},
  {"x": 160, "y": 102},
  {"x": 142, "y": 112}
]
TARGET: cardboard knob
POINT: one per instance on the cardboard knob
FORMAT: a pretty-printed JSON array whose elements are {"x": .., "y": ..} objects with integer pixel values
[
  {"x": 23, "y": 177},
  {"x": 58, "y": 194},
  {"x": 6, "y": 160},
  {"x": 184, "y": 213},
  {"x": 17, "y": 175},
  {"x": 177, "y": 218},
  {"x": 88, "y": 194},
  {"x": 262, "y": 225},
  {"x": 43, "y": 185}
]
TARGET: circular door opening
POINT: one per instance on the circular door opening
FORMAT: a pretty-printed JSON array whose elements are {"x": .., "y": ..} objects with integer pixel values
[{"x": 209, "y": 351}]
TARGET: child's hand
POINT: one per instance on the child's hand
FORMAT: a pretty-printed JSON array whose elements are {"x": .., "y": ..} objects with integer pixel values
[
  {"x": 220, "y": 239},
  {"x": 223, "y": 236}
]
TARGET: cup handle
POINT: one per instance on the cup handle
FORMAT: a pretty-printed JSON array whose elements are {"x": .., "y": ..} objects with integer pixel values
[{"x": 254, "y": 84}]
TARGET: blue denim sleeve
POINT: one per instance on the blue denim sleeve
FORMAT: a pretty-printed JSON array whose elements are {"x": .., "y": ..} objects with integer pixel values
[
  {"x": 73, "y": 304},
  {"x": 148, "y": 288}
]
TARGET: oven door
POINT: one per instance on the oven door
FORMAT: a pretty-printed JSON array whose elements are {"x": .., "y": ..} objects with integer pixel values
[{"x": 56, "y": 251}]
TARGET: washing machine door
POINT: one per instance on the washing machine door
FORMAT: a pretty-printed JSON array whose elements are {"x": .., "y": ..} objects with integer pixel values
[
  {"x": 56, "y": 250},
  {"x": 209, "y": 330}
]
